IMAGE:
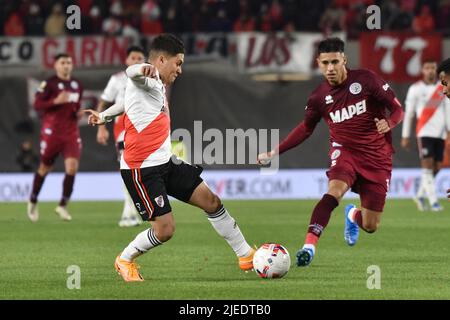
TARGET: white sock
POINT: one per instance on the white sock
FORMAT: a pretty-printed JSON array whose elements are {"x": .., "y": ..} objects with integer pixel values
[
  {"x": 351, "y": 214},
  {"x": 310, "y": 246},
  {"x": 430, "y": 189},
  {"x": 128, "y": 205},
  {"x": 227, "y": 227},
  {"x": 143, "y": 242},
  {"x": 421, "y": 191}
]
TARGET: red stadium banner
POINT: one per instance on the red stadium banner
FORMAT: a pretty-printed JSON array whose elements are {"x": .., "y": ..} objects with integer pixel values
[{"x": 398, "y": 56}]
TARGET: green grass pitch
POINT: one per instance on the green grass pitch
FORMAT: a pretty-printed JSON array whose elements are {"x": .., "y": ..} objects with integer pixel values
[{"x": 411, "y": 249}]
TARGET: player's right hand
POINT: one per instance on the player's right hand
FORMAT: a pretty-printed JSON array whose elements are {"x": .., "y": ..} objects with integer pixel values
[
  {"x": 62, "y": 97},
  {"x": 102, "y": 135},
  {"x": 94, "y": 117},
  {"x": 265, "y": 158},
  {"x": 149, "y": 71},
  {"x": 405, "y": 143}
]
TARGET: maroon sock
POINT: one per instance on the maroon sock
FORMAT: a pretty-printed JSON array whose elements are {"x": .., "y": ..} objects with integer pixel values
[
  {"x": 320, "y": 217},
  {"x": 358, "y": 218},
  {"x": 38, "y": 181},
  {"x": 67, "y": 189}
]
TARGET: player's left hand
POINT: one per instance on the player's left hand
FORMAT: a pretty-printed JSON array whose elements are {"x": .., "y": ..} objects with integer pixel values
[
  {"x": 382, "y": 126},
  {"x": 94, "y": 117}
]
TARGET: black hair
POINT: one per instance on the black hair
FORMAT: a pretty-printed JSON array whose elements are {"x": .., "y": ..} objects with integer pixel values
[
  {"x": 444, "y": 66},
  {"x": 331, "y": 45},
  {"x": 167, "y": 43},
  {"x": 428, "y": 61},
  {"x": 135, "y": 49},
  {"x": 61, "y": 55}
]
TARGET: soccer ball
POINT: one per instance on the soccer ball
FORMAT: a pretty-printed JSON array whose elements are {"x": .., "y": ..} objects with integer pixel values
[{"x": 271, "y": 260}]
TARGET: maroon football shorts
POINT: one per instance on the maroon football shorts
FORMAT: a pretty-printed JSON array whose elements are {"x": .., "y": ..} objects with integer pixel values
[
  {"x": 51, "y": 147},
  {"x": 371, "y": 183}
]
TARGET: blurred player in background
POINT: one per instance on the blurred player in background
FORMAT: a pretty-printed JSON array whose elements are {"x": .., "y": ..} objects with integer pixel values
[
  {"x": 115, "y": 93},
  {"x": 426, "y": 101},
  {"x": 354, "y": 105},
  {"x": 150, "y": 171},
  {"x": 57, "y": 103}
]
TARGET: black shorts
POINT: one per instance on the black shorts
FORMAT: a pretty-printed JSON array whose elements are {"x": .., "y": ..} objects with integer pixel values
[
  {"x": 150, "y": 187},
  {"x": 431, "y": 148}
]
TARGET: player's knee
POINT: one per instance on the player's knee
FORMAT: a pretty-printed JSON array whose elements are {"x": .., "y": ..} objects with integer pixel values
[
  {"x": 165, "y": 233},
  {"x": 370, "y": 227},
  {"x": 43, "y": 170},
  {"x": 213, "y": 204}
]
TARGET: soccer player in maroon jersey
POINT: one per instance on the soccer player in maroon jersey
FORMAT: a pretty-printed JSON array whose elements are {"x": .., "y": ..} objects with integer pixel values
[
  {"x": 58, "y": 102},
  {"x": 444, "y": 75},
  {"x": 354, "y": 105}
]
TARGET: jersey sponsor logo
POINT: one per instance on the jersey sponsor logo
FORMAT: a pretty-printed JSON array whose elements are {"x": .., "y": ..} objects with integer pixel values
[
  {"x": 335, "y": 154},
  {"x": 328, "y": 99},
  {"x": 355, "y": 88},
  {"x": 348, "y": 112},
  {"x": 74, "y": 97}
]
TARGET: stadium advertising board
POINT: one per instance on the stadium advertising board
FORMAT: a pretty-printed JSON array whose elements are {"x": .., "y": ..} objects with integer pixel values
[
  {"x": 85, "y": 51},
  {"x": 398, "y": 56},
  {"x": 278, "y": 52},
  {"x": 227, "y": 184}
]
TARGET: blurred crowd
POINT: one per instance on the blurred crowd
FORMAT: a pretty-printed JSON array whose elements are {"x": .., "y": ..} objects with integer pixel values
[{"x": 134, "y": 17}]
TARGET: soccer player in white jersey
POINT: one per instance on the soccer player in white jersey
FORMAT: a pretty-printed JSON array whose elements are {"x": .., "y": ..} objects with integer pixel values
[
  {"x": 426, "y": 101},
  {"x": 149, "y": 170},
  {"x": 115, "y": 93}
]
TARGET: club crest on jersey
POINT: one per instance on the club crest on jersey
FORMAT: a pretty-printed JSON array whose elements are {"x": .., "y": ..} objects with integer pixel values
[
  {"x": 348, "y": 112},
  {"x": 160, "y": 201},
  {"x": 74, "y": 85},
  {"x": 60, "y": 86},
  {"x": 328, "y": 99},
  {"x": 355, "y": 88},
  {"x": 335, "y": 154}
]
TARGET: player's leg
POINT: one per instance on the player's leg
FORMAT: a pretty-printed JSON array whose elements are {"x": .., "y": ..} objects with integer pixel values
[
  {"x": 130, "y": 216},
  {"x": 224, "y": 224},
  {"x": 49, "y": 150},
  {"x": 321, "y": 216},
  {"x": 373, "y": 198},
  {"x": 71, "y": 152},
  {"x": 147, "y": 190},
  {"x": 341, "y": 177},
  {"x": 186, "y": 185},
  {"x": 427, "y": 154},
  {"x": 38, "y": 181},
  {"x": 71, "y": 165},
  {"x": 438, "y": 157}
]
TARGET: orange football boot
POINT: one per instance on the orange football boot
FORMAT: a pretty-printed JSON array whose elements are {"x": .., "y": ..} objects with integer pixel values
[{"x": 128, "y": 270}]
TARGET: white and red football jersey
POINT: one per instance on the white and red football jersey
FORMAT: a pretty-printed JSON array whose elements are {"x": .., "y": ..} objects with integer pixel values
[
  {"x": 115, "y": 93},
  {"x": 432, "y": 110},
  {"x": 147, "y": 122}
]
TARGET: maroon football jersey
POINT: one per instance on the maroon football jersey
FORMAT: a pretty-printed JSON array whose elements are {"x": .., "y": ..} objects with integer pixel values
[
  {"x": 350, "y": 109},
  {"x": 60, "y": 119}
]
